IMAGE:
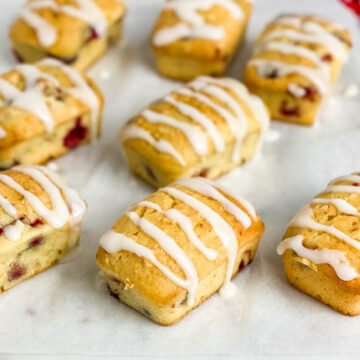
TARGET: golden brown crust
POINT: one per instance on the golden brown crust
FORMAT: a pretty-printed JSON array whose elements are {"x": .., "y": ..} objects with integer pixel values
[
  {"x": 72, "y": 32},
  {"x": 274, "y": 89},
  {"x": 158, "y": 292},
  {"x": 25, "y": 132},
  {"x": 187, "y": 58},
  {"x": 321, "y": 280},
  {"x": 162, "y": 168}
]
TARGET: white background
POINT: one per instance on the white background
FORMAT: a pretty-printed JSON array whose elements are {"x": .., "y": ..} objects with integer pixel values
[{"x": 62, "y": 311}]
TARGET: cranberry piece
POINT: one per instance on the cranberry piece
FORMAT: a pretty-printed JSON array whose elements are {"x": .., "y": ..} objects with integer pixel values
[
  {"x": 35, "y": 242},
  {"x": 289, "y": 111},
  {"x": 355, "y": 184},
  {"x": 75, "y": 135},
  {"x": 18, "y": 56},
  {"x": 273, "y": 74},
  {"x": 150, "y": 172},
  {"x": 203, "y": 173},
  {"x": 1, "y": 231},
  {"x": 37, "y": 222},
  {"x": 310, "y": 93},
  {"x": 16, "y": 271},
  {"x": 93, "y": 34},
  {"x": 327, "y": 58}
]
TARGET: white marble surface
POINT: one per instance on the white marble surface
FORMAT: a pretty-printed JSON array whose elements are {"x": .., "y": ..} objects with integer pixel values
[{"x": 61, "y": 314}]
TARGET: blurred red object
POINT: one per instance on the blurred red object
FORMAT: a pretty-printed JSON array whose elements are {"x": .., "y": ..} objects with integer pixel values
[{"x": 354, "y": 5}]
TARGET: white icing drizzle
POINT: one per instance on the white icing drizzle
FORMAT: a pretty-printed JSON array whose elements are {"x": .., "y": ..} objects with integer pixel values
[
  {"x": 87, "y": 10},
  {"x": 2, "y": 133},
  {"x": 8, "y": 207},
  {"x": 315, "y": 34},
  {"x": 265, "y": 67},
  {"x": 13, "y": 232},
  {"x": 194, "y": 134},
  {"x": 135, "y": 132},
  {"x": 81, "y": 90},
  {"x": 45, "y": 32},
  {"x": 186, "y": 226},
  {"x": 304, "y": 219},
  {"x": 304, "y": 31},
  {"x": 192, "y": 24},
  {"x": 340, "y": 204},
  {"x": 239, "y": 126},
  {"x": 32, "y": 98},
  {"x": 174, "y": 251},
  {"x": 204, "y": 89},
  {"x": 285, "y": 48},
  {"x": 296, "y": 90},
  {"x": 76, "y": 204},
  {"x": 113, "y": 242},
  {"x": 335, "y": 258},
  {"x": 208, "y": 189},
  {"x": 201, "y": 119},
  {"x": 221, "y": 228},
  {"x": 254, "y": 102},
  {"x": 59, "y": 214}
]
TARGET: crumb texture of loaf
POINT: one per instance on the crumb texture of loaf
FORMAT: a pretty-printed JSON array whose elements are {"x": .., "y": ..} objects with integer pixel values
[
  {"x": 199, "y": 37},
  {"x": 173, "y": 250},
  {"x": 44, "y": 104},
  {"x": 296, "y": 61},
  {"x": 63, "y": 28},
  {"x": 40, "y": 221},
  {"x": 321, "y": 248},
  {"x": 205, "y": 128}
]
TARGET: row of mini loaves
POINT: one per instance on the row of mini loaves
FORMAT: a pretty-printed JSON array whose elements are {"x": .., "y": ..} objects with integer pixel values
[
  {"x": 296, "y": 58},
  {"x": 170, "y": 252}
]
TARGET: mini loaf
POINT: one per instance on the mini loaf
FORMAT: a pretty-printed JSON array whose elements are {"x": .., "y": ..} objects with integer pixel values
[
  {"x": 77, "y": 32},
  {"x": 321, "y": 248},
  {"x": 198, "y": 37},
  {"x": 40, "y": 221},
  {"x": 296, "y": 62},
  {"x": 203, "y": 129},
  {"x": 171, "y": 252},
  {"x": 46, "y": 110}
]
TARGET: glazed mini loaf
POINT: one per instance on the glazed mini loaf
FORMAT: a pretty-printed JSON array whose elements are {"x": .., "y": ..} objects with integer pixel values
[
  {"x": 296, "y": 61},
  {"x": 198, "y": 37},
  {"x": 321, "y": 248},
  {"x": 40, "y": 222},
  {"x": 77, "y": 32},
  {"x": 203, "y": 129},
  {"x": 46, "y": 110},
  {"x": 171, "y": 252}
]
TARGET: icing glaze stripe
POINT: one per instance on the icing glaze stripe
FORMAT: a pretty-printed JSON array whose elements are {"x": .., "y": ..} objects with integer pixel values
[
  {"x": 201, "y": 119},
  {"x": 304, "y": 219},
  {"x": 186, "y": 226},
  {"x": 314, "y": 34},
  {"x": 207, "y": 189},
  {"x": 133, "y": 132},
  {"x": 335, "y": 258},
  {"x": 86, "y": 10},
  {"x": 265, "y": 67},
  {"x": 77, "y": 206},
  {"x": 194, "y": 134},
  {"x": 80, "y": 90},
  {"x": 221, "y": 228},
  {"x": 173, "y": 250},
  {"x": 192, "y": 24},
  {"x": 239, "y": 125},
  {"x": 113, "y": 242}
]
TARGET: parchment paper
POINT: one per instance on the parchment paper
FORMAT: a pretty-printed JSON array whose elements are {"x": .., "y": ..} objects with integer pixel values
[{"x": 63, "y": 311}]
